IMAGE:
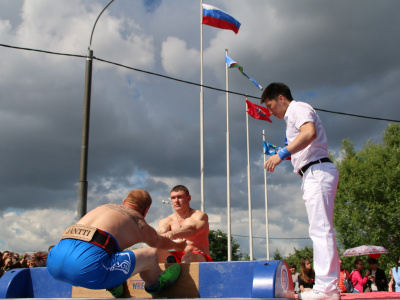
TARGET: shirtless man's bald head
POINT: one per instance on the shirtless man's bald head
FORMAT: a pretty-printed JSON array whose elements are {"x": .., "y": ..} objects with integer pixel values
[{"x": 139, "y": 200}]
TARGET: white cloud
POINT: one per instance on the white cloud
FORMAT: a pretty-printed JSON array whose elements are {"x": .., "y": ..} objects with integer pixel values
[
  {"x": 68, "y": 27},
  {"x": 177, "y": 59},
  {"x": 33, "y": 230},
  {"x": 5, "y": 27}
]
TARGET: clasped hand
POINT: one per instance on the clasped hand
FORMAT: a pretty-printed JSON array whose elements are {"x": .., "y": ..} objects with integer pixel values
[
  {"x": 272, "y": 162},
  {"x": 180, "y": 244}
]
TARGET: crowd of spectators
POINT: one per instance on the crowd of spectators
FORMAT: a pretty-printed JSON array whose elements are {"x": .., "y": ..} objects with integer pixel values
[
  {"x": 12, "y": 260},
  {"x": 373, "y": 279}
]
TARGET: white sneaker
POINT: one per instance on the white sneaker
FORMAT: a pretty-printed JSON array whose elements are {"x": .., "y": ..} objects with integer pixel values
[{"x": 313, "y": 294}]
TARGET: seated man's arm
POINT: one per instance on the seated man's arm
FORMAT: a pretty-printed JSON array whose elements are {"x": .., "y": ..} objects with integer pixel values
[
  {"x": 197, "y": 224},
  {"x": 153, "y": 239}
]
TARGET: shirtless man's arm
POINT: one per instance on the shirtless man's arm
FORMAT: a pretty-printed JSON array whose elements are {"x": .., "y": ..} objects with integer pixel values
[
  {"x": 153, "y": 239},
  {"x": 198, "y": 222},
  {"x": 164, "y": 225}
]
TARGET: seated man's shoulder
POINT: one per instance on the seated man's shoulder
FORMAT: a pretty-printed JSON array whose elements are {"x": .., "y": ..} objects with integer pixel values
[
  {"x": 168, "y": 219},
  {"x": 200, "y": 215}
]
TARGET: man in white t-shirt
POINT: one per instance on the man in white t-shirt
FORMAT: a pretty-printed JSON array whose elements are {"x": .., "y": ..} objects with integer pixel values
[
  {"x": 308, "y": 148},
  {"x": 377, "y": 279}
]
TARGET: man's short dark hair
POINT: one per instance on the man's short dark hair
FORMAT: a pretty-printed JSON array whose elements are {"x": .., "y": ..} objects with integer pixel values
[
  {"x": 178, "y": 188},
  {"x": 372, "y": 261},
  {"x": 275, "y": 89}
]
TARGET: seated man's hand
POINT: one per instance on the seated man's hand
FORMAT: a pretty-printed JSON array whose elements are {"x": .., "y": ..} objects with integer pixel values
[
  {"x": 180, "y": 244},
  {"x": 168, "y": 235}
]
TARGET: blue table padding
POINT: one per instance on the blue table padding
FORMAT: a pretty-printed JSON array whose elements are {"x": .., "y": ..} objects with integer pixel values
[
  {"x": 14, "y": 284},
  {"x": 32, "y": 283},
  {"x": 45, "y": 286},
  {"x": 239, "y": 279},
  {"x": 226, "y": 279},
  {"x": 264, "y": 279}
]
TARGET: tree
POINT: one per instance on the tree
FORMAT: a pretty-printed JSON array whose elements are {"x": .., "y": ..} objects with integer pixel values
[
  {"x": 367, "y": 205},
  {"x": 277, "y": 255},
  {"x": 245, "y": 256},
  {"x": 219, "y": 246},
  {"x": 295, "y": 258}
]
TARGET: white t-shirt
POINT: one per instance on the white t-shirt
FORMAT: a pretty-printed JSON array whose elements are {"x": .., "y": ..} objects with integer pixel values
[
  {"x": 374, "y": 288},
  {"x": 296, "y": 115}
]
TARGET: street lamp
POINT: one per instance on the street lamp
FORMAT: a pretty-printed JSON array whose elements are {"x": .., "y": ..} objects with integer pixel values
[{"x": 83, "y": 184}]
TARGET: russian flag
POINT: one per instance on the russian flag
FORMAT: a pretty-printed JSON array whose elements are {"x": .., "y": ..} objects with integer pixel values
[{"x": 215, "y": 17}]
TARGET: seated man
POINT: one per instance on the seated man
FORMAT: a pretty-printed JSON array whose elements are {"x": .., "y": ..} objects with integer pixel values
[
  {"x": 185, "y": 223},
  {"x": 90, "y": 252}
]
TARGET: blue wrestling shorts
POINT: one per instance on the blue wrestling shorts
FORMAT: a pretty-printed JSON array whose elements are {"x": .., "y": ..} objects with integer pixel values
[{"x": 81, "y": 263}]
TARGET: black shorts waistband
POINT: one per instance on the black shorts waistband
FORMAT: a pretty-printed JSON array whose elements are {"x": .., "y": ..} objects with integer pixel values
[
  {"x": 104, "y": 241},
  {"x": 318, "y": 161}
]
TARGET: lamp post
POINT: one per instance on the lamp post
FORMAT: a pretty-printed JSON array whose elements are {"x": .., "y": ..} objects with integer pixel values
[{"x": 83, "y": 184}]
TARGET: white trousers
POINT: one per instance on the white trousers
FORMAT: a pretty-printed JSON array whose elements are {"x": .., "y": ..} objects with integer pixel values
[{"x": 319, "y": 190}]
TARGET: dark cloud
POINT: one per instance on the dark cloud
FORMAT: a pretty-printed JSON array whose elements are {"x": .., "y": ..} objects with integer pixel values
[{"x": 145, "y": 130}]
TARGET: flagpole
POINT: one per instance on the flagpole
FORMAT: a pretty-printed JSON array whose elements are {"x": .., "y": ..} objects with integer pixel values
[
  {"x": 228, "y": 179},
  {"x": 248, "y": 185},
  {"x": 201, "y": 112},
  {"x": 266, "y": 203}
]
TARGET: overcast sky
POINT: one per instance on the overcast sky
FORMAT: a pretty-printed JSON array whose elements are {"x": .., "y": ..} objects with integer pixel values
[{"x": 145, "y": 130}]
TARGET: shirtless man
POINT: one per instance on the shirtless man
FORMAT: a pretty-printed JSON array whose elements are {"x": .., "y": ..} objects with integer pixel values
[
  {"x": 185, "y": 223},
  {"x": 90, "y": 253}
]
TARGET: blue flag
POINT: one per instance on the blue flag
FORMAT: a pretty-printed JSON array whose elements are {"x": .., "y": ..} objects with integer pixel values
[
  {"x": 270, "y": 149},
  {"x": 233, "y": 64}
]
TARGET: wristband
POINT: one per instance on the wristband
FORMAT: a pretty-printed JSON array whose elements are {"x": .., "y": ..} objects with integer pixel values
[{"x": 284, "y": 153}]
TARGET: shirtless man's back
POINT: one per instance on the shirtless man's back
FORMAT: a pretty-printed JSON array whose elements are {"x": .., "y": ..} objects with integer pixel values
[
  {"x": 125, "y": 224},
  {"x": 90, "y": 253}
]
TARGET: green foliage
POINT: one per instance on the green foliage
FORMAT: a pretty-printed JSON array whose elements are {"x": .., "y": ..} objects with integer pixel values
[
  {"x": 219, "y": 246},
  {"x": 277, "y": 255},
  {"x": 245, "y": 256},
  {"x": 367, "y": 205},
  {"x": 348, "y": 263},
  {"x": 296, "y": 257}
]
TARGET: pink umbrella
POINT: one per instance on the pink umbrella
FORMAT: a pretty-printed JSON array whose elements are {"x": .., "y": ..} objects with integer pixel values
[{"x": 372, "y": 251}]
